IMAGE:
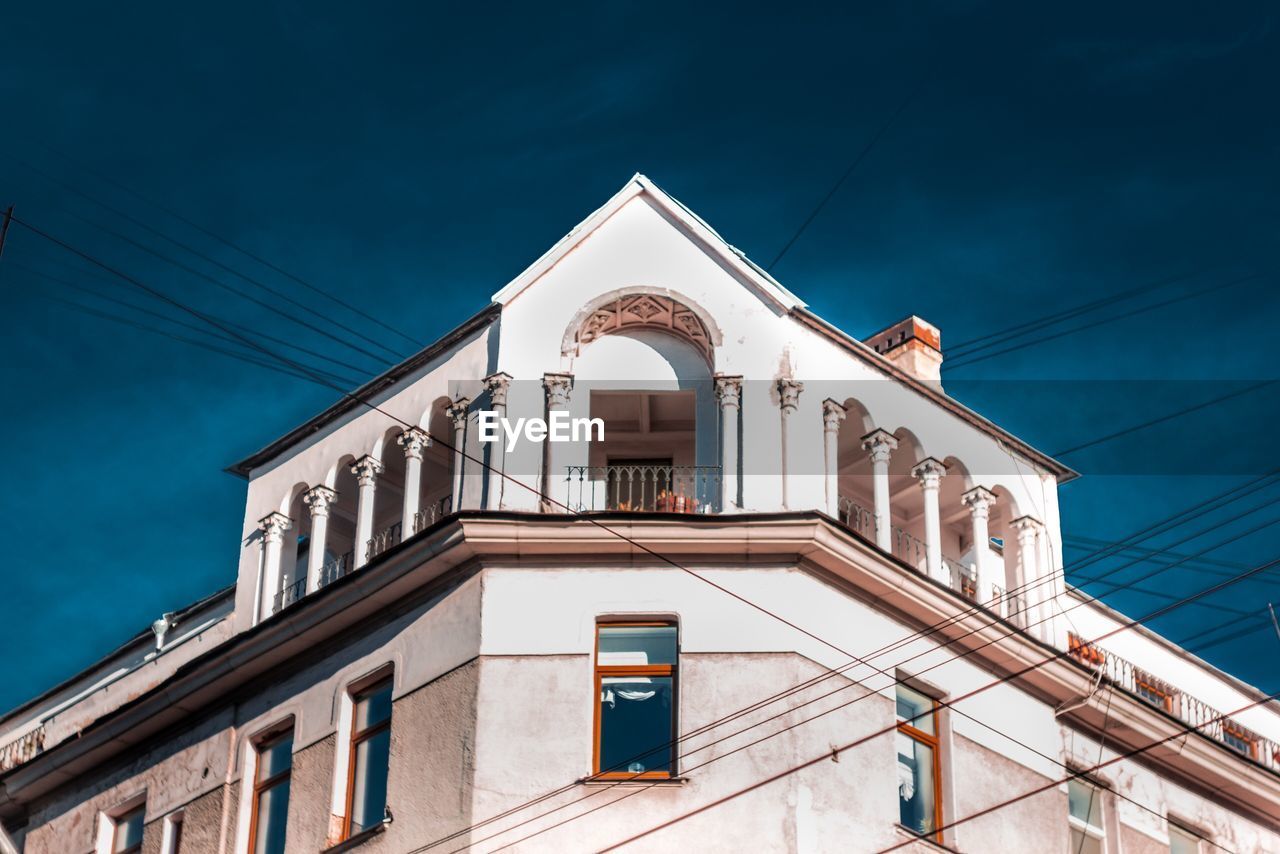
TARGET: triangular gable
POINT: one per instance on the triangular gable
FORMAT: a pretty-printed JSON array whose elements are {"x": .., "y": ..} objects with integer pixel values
[{"x": 732, "y": 257}]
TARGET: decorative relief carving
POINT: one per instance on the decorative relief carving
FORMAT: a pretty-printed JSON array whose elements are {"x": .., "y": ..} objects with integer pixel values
[{"x": 651, "y": 311}]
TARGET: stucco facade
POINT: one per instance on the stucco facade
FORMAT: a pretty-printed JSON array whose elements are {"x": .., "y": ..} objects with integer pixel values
[{"x": 814, "y": 520}]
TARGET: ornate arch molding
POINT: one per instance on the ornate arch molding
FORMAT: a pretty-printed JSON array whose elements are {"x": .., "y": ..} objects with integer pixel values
[{"x": 642, "y": 308}]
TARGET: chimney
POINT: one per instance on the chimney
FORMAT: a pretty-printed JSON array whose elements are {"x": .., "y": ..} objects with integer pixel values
[{"x": 914, "y": 345}]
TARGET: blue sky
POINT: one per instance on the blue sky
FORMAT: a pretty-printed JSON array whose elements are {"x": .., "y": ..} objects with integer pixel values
[{"x": 413, "y": 159}]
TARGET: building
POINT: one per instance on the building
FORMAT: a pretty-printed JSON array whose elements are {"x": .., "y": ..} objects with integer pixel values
[{"x": 794, "y": 599}]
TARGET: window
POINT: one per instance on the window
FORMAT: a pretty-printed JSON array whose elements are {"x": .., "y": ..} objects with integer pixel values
[
  {"x": 271, "y": 793},
  {"x": 1153, "y": 691},
  {"x": 370, "y": 757},
  {"x": 1084, "y": 801},
  {"x": 126, "y": 836},
  {"x": 919, "y": 763},
  {"x": 171, "y": 841},
  {"x": 1240, "y": 739},
  {"x": 636, "y": 706},
  {"x": 1182, "y": 841}
]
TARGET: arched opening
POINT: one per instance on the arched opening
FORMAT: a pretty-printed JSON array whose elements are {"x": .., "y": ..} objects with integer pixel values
[
  {"x": 855, "y": 482},
  {"x": 653, "y": 392},
  {"x": 388, "y": 496},
  {"x": 340, "y": 538},
  {"x": 906, "y": 501},
  {"x": 650, "y": 309},
  {"x": 956, "y": 527},
  {"x": 436, "y": 487},
  {"x": 293, "y": 553}
]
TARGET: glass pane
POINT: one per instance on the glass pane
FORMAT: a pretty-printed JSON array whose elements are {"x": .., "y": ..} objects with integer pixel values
[
  {"x": 373, "y": 708},
  {"x": 916, "y": 807},
  {"x": 1085, "y": 803},
  {"x": 273, "y": 811},
  {"x": 633, "y": 645},
  {"x": 915, "y": 709},
  {"x": 1082, "y": 843},
  {"x": 128, "y": 830},
  {"x": 636, "y": 724},
  {"x": 369, "y": 797},
  {"x": 1182, "y": 842},
  {"x": 274, "y": 757}
]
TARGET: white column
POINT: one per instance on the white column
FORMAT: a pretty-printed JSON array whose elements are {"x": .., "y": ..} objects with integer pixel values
[
  {"x": 1027, "y": 528},
  {"x": 929, "y": 472},
  {"x": 557, "y": 387},
  {"x": 788, "y": 401},
  {"x": 273, "y": 526},
  {"x": 1052, "y": 625},
  {"x": 318, "y": 499},
  {"x": 457, "y": 413},
  {"x": 415, "y": 441},
  {"x": 832, "y": 416},
  {"x": 979, "y": 501},
  {"x": 366, "y": 469},
  {"x": 497, "y": 385},
  {"x": 729, "y": 393},
  {"x": 880, "y": 444}
]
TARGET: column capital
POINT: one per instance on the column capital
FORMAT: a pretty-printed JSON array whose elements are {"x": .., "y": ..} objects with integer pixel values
[
  {"x": 557, "y": 387},
  {"x": 366, "y": 469},
  {"x": 728, "y": 390},
  {"x": 789, "y": 394},
  {"x": 414, "y": 440},
  {"x": 880, "y": 443},
  {"x": 979, "y": 500},
  {"x": 457, "y": 412},
  {"x": 832, "y": 414},
  {"x": 1026, "y": 525},
  {"x": 319, "y": 498},
  {"x": 273, "y": 526},
  {"x": 497, "y": 385},
  {"x": 929, "y": 472}
]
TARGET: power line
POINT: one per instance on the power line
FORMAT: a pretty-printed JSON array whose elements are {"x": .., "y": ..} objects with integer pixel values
[
  {"x": 1163, "y": 418},
  {"x": 230, "y": 245},
  {"x": 967, "y": 360},
  {"x": 862, "y": 155},
  {"x": 249, "y": 330},
  {"x": 1020, "y": 329}
]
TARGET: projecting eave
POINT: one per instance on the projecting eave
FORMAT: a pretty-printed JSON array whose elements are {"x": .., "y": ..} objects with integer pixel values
[
  {"x": 1061, "y": 472},
  {"x": 374, "y": 387}
]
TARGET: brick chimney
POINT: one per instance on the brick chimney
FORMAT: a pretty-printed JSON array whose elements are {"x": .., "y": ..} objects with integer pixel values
[{"x": 914, "y": 345}]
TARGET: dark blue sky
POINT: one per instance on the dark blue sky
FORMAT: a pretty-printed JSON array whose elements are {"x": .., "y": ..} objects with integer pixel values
[{"x": 413, "y": 159}]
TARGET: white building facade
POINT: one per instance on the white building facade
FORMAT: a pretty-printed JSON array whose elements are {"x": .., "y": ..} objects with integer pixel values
[{"x": 784, "y": 595}]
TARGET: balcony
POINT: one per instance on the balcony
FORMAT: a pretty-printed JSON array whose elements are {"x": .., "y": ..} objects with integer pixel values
[
  {"x": 908, "y": 548},
  {"x": 22, "y": 749},
  {"x": 654, "y": 487},
  {"x": 1170, "y": 699}
]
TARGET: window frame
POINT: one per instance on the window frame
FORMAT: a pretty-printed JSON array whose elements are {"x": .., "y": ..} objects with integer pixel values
[
  {"x": 262, "y": 743},
  {"x": 1098, "y": 831},
  {"x": 365, "y": 689},
  {"x": 118, "y": 821},
  {"x": 600, "y": 672},
  {"x": 935, "y": 743},
  {"x": 1197, "y": 838},
  {"x": 171, "y": 842}
]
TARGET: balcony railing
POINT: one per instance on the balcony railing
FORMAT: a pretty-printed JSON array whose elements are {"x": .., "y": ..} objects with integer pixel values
[
  {"x": 641, "y": 486},
  {"x": 383, "y": 540},
  {"x": 857, "y": 517},
  {"x": 336, "y": 568},
  {"x": 1156, "y": 692},
  {"x": 290, "y": 594},
  {"x": 22, "y": 749},
  {"x": 964, "y": 579},
  {"x": 432, "y": 513}
]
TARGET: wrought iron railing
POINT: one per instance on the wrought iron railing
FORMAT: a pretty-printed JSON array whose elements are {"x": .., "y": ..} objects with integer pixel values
[
  {"x": 432, "y": 513},
  {"x": 289, "y": 594},
  {"x": 909, "y": 547},
  {"x": 861, "y": 520},
  {"x": 1010, "y": 606},
  {"x": 335, "y": 568},
  {"x": 22, "y": 749},
  {"x": 964, "y": 579},
  {"x": 1163, "y": 695},
  {"x": 383, "y": 540},
  {"x": 641, "y": 486}
]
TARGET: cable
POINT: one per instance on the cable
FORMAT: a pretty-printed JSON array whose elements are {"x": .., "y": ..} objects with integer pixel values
[
  {"x": 1163, "y": 418},
  {"x": 1128, "y": 754},
  {"x": 991, "y": 339},
  {"x": 229, "y": 244},
  {"x": 862, "y": 155},
  {"x": 966, "y": 361},
  {"x": 248, "y": 330}
]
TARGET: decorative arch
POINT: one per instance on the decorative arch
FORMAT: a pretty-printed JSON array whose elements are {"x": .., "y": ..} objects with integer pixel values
[{"x": 643, "y": 308}]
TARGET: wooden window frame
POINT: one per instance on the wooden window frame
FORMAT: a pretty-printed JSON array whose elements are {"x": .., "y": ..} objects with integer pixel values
[
  {"x": 1149, "y": 689},
  {"x": 935, "y": 742},
  {"x": 358, "y": 737},
  {"x": 1098, "y": 831},
  {"x": 117, "y": 821},
  {"x": 261, "y": 744},
  {"x": 1232, "y": 733},
  {"x": 613, "y": 670}
]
